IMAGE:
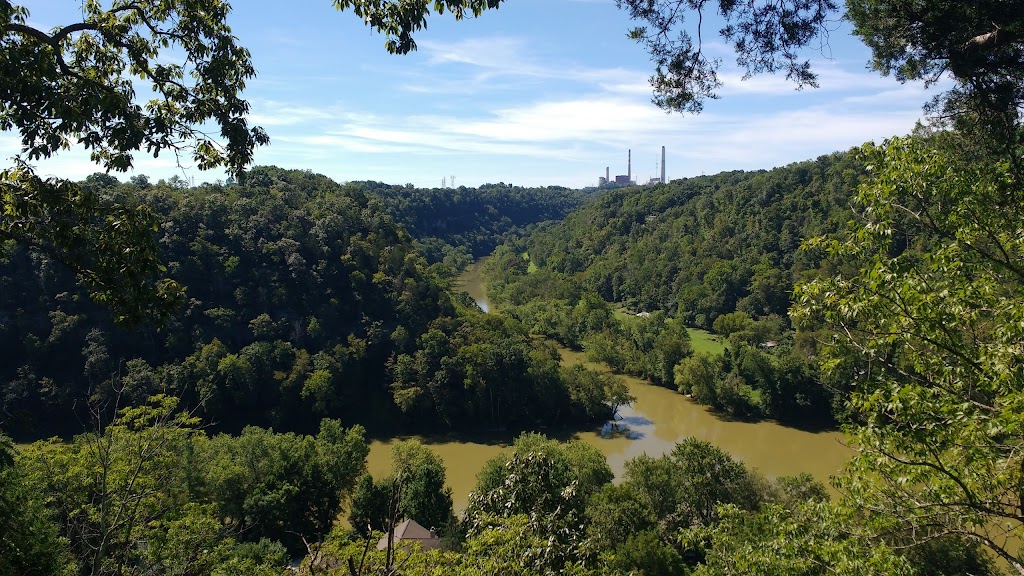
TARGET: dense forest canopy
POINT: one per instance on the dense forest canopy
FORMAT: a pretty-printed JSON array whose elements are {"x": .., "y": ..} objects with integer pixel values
[
  {"x": 305, "y": 300},
  {"x": 707, "y": 246},
  {"x": 458, "y": 225},
  {"x": 719, "y": 253}
]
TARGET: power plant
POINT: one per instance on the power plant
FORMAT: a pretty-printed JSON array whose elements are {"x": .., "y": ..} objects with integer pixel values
[{"x": 627, "y": 178}]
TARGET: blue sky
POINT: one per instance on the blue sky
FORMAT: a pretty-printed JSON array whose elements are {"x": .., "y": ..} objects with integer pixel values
[{"x": 538, "y": 92}]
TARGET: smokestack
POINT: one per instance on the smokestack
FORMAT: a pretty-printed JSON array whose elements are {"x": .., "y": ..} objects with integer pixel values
[
  {"x": 663, "y": 165},
  {"x": 629, "y": 165},
  {"x": 607, "y": 174}
]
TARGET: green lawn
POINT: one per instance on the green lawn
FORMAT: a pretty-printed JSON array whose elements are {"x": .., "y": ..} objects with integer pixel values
[
  {"x": 704, "y": 341},
  {"x": 701, "y": 340},
  {"x": 623, "y": 315}
]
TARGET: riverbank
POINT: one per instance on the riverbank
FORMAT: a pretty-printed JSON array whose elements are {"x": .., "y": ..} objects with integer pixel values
[{"x": 653, "y": 424}]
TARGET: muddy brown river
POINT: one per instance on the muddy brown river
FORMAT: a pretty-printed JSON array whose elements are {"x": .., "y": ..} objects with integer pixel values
[{"x": 656, "y": 421}]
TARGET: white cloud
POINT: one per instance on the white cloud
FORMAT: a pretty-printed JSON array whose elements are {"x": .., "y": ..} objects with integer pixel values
[
  {"x": 595, "y": 129},
  {"x": 503, "y": 63},
  {"x": 274, "y": 113}
]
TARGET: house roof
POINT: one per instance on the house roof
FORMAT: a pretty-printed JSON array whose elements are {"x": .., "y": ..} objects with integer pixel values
[{"x": 411, "y": 531}]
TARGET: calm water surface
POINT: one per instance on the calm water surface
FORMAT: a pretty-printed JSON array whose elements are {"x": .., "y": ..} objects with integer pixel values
[
  {"x": 655, "y": 423},
  {"x": 471, "y": 282}
]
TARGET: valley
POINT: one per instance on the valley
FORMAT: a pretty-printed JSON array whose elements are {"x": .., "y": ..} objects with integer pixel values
[{"x": 653, "y": 424}]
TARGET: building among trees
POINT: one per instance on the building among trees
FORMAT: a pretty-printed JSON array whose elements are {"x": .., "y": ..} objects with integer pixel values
[{"x": 410, "y": 532}]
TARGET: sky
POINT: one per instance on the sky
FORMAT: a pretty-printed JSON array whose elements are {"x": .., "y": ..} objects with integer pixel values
[{"x": 538, "y": 92}]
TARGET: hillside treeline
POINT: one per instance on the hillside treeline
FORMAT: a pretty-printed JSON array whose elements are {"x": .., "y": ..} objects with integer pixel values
[
  {"x": 305, "y": 300},
  {"x": 457, "y": 225},
  {"x": 702, "y": 247},
  {"x": 721, "y": 253}
]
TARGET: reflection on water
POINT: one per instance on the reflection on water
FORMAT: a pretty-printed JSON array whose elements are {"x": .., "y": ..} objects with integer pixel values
[
  {"x": 617, "y": 429},
  {"x": 633, "y": 421},
  {"x": 471, "y": 282},
  {"x": 653, "y": 424}
]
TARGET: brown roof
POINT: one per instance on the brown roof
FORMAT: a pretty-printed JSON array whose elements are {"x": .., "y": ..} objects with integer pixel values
[{"x": 410, "y": 531}]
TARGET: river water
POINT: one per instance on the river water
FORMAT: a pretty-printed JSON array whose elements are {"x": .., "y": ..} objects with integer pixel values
[{"x": 656, "y": 421}]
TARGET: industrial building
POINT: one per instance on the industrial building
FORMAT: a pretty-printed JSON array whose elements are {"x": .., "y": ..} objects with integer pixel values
[{"x": 627, "y": 178}]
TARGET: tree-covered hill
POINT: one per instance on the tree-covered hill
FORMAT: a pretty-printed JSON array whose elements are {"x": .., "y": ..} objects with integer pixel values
[
  {"x": 716, "y": 252},
  {"x": 454, "y": 225},
  {"x": 304, "y": 300},
  {"x": 702, "y": 247}
]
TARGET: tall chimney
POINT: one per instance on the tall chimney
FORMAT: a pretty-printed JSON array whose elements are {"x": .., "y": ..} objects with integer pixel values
[
  {"x": 629, "y": 165},
  {"x": 663, "y": 165},
  {"x": 607, "y": 174}
]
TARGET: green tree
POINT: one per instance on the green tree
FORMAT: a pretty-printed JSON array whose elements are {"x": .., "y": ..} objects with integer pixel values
[
  {"x": 425, "y": 497},
  {"x": 686, "y": 486},
  {"x": 538, "y": 500},
  {"x": 369, "y": 509},
  {"x": 108, "y": 488},
  {"x": 640, "y": 524},
  {"x": 595, "y": 392},
  {"x": 645, "y": 553},
  {"x": 30, "y": 540},
  {"x": 979, "y": 44},
  {"x": 811, "y": 540},
  {"x": 766, "y": 36},
  {"x": 514, "y": 545},
  {"x": 699, "y": 375},
  {"x": 418, "y": 479},
  {"x": 616, "y": 512},
  {"x": 75, "y": 84},
  {"x": 575, "y": 461},
  {"x": 283, "y": 487},
  {"x": 194, "y": 541},
  {"x": 399, "y": 20},
  {"x": 727, "y": 324},
  {"x": 932, "y": 318}
]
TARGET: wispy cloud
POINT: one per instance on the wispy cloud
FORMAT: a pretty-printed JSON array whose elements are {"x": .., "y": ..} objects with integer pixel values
[
  {"x": 591, "y": 128},
  {"x": 503, "y": 62},
  {"x": 273, "y": 113},
  {"x": 513, "y": 104}
]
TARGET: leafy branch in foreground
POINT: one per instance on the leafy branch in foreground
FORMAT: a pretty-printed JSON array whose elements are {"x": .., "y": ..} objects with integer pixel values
[
  {"x": 933, "y": 317},
  {"x": 765, "y": 35},
  {"x": 398, "y": 20},
  {"x": 109, "y": 245},
  {"x": 76, "y": 85}
]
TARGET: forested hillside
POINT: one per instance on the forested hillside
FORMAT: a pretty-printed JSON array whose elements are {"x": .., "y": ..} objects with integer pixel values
[
  {"x": 702, "y": 247},
  {"x": 308, "y": 306},
  {"x": 456, "y": 225},
  {"x": 717, "y": 252},
  {"x": 304, "y": 300}
]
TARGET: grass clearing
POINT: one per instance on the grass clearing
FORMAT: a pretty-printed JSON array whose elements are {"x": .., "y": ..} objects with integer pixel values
[
  {"x": 704, "y": 341},
  {"x": 622, "y": 315},
  {"x": 701, "y": 340}
]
